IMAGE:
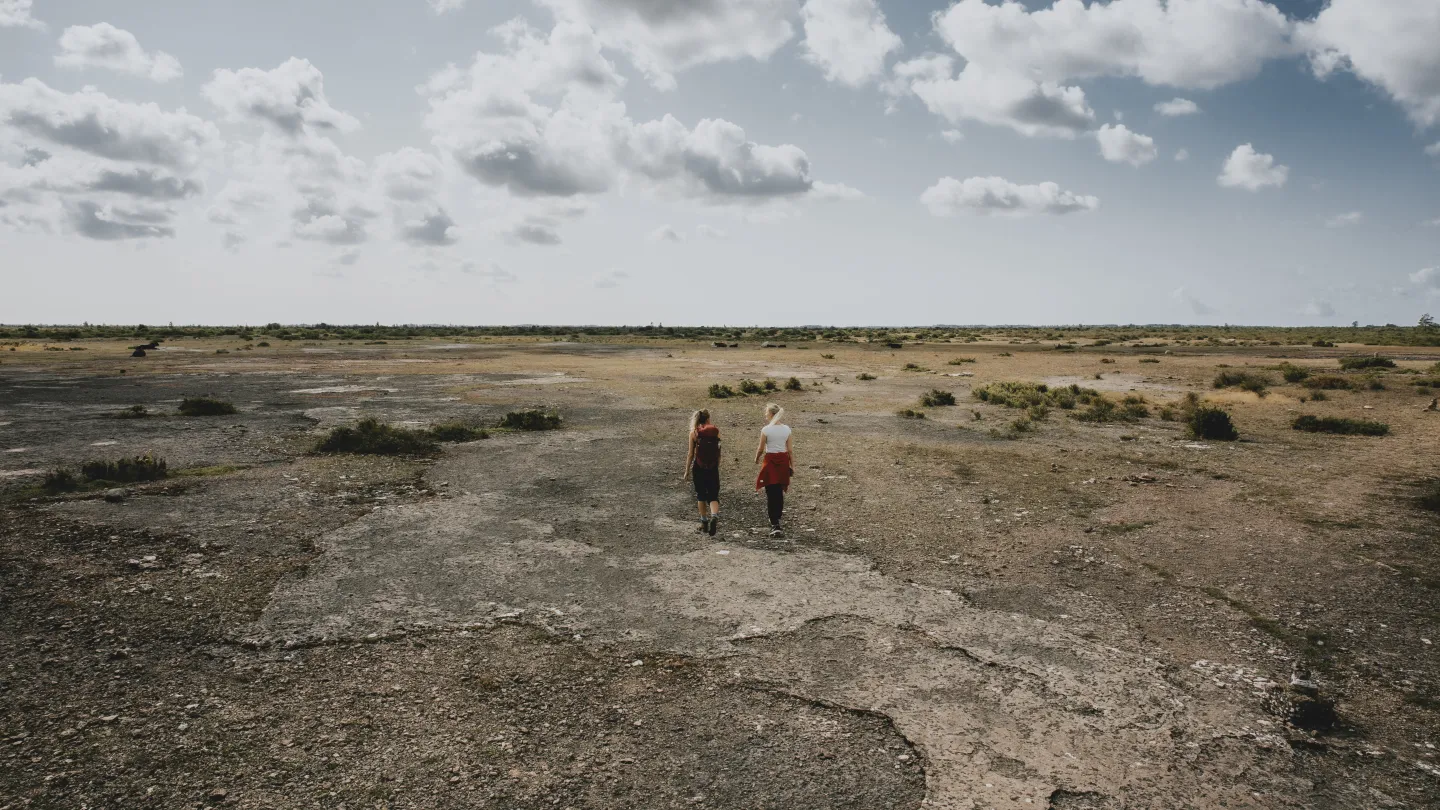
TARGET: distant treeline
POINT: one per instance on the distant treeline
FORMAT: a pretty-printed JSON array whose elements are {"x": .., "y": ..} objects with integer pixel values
[{"x": 1426, "y": 334}]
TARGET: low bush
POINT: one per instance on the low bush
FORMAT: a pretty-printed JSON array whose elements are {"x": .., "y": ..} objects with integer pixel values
[
  {"x": 371, "y": 437},
  {"x": 794, "y": 384},
  {"x": 1430, "y": 499},
  {"x": 533, "y": 419},
  {"x": 1025, "y": 394},
  {"x": 827, "y": 357},
  {"x": 1244, "y": 380},
  {"x": 913, "y": 367},
  {"x": 770, "y": 385},
  {"x": 1323, "y": 344},
  {"x": 1293, "y": 373},
  {"x": 1148, "y": 360},
  {"x": 133, "y": 412},
  {"x": 125, "y": 470},
  {"x": 960, "y": 361},
  {"x": 865, "y": 376},
  {"x": 1354, "y": 363},
  {"x": 751, "y": 387},
  {"x": 205, "y": 406},
  {"x": 1339, "y": 425},
  {"x": 909, "y": 413},
  {"x": 935, "y": 398},
  {"x": 1374, "y": 383},
  {"x": 1327, "y": 382},
  {"x": 457, "y": 432},
  {"x": 719, "y": 391},
  {"x": 1318, "y": 396},
  {"x": 1107, "y": 361},
  {"x": 1101, "y": 409},
  {"x": 60, "y": 481},
  {"x": 1209, "y": 422},
  {"x": 263, "y": 344}
]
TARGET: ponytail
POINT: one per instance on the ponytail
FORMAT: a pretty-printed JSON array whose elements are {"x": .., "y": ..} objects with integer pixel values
[
  {"x": 775, "y": 412},
  {"x": 700, "y": 417}
]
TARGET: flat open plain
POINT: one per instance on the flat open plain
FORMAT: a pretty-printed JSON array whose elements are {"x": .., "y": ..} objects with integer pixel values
[{"x": 1078, "y": 616}]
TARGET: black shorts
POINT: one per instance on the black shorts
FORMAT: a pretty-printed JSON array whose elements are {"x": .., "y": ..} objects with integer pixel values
[{"x": 707, "y": 483}]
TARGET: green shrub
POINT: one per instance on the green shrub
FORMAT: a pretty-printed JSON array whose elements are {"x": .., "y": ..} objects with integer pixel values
[
  {"x": 1148, "y": 360},
  {"x": 751, "y": 387},
  {"x": 370, "y": 437},
  {"x": 827, "y": 357},
  {"x": 263, "y": 344},
  {"x": 133, "y": 412},
  {"x": 205, "y": 406},
  {"x": 718, "y": 391},
  {"x": 533, "y": 419},
  {"x": 935, "y": 398},
  {"x": 1327, "y": 382},
  {"x": 1208, "y": 422},
  {"x": 1293, "y": 373},
  {"x": 770, "y": 385},
  {"x": 1355, "y": 363},
  {"x": 60, "y": 481},
  {"x": 908, "y": 413},
  {"x": 793, "y": 384},
  {"x": 125, "y": 470},
  {"x": 1323, "y": 344},
  {"x": 1341, "y": 425},
  {"x": 1025, "y": 395},
  {"x": 913, "y": 367},
  {"x": 1318, "y": 396},
  {"x": 1134, "y": 406},
  {"x": 865, "y": 376},
  {"x": 1431, "y": 498},
  {"x": 1245, "y": 380},
  {"x": 457, "y": 432},
  {"x": 960, "y": 361},
  {"x": 1104, "y": 410}
]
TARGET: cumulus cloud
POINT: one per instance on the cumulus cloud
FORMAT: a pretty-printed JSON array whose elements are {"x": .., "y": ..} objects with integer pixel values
[
  {"x": 290, "y": 97},
  {"x": 847, "y": 39},
  {"x": 987, "y": 195},
  {"x": 110, "y": 223},
  {"x": 1433, "y": 150},
  {"x": 666, "y": 233},
  {"x": 446, "y": 6},
  {"x": 1251, "y": 170},
  {"x": 16, "y": 14},
  {"x": 1426, "y": 277},
  {"x": 110, "y": 48},
  {"x": 1177, "y": 107},
  {"x": 661, "y": 38},
  {"x": 90, "y": 121},
  {"x": 1182, "y": 155},
  {"x": 1195, "y": 304},
  {"x": 1181, "y": 43},
  {"x": 410, "y": 179},
  {"x": 434, "y": 229},
  {"x": 1119, "y": 145},
  {"x": 1345, "y": 219},
  {"x": 1388, "y": 43},
  {"x": 997, "y": 98},
  {"x": 541, "y": 119},
  {"x": 952, "y": 136}
]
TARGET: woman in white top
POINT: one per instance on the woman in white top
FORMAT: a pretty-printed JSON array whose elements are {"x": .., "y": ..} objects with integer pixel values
[{"x": 777, "y": 463}]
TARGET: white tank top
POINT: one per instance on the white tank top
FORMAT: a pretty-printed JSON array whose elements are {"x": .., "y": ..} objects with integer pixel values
[{"x": 775, "y": 436}]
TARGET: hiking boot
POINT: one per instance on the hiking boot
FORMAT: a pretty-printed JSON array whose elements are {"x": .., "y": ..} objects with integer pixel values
[
  {"x": 705, "y": 527},
  {"x": 714, "y": 524},
  {"x": 775, "y": 532}
]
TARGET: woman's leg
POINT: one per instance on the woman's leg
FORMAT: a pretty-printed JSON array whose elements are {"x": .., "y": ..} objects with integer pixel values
[{"x": 775, "y": 503}]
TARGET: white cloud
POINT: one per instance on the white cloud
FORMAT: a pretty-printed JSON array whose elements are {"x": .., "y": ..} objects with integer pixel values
[
  {"x": 1433, "y": 150},
  {"x": 1182, "y": 155},
  {"x": 1319, "y": 309},
  {"x": 662, "y": 38},
  {"x": 666, "y": 233},
  {"x": 1195, "y": 304},
  {"x": 1003, "y": 99},
  {"x": 105, "y": 46},
  {"x": 1119, "y": 145},
  {"x": 952, "y": 136},
  {"x": 1345, "y": 219},
  {"x": 1434, "y": 223},
  {"x": 541, "y": 120},
  {"x": 1251, "y": 170},
  {"x": 1177, "y": 107},
  {"x": 290, "y": 97},
  {"x": 847, "y": 39},
  {"x": 92, "y": 122},
  {"x": 110, "y": 222},
  {"x": 1426, "y": 277},
  {"x": 16, "y": 14},
  {"x": 1182, "y": 43},
  {"x": 410, "y": 179},
  {"x": 997, "y": 195},
  {"x": 1389, "y": 43},
  {"x": 709, "y": 232},
  {"x": 446, "y": 6}
]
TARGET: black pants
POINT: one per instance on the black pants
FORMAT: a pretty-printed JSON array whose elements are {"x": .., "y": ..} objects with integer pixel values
[{"x": 775, "y": 502}]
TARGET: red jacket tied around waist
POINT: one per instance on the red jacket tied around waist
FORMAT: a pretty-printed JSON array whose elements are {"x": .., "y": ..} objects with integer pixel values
[{"x": 775, "y": 469}]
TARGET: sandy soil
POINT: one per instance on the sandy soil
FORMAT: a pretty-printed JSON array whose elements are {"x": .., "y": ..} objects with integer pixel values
[{"x": 1081, "y": 616}]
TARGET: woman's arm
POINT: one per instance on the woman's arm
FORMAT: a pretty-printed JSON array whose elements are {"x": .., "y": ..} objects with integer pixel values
[
  {"x": 789, "y": 444},
  {"x": 689, "y": 457},
  {"x": 760, "y": 451}
]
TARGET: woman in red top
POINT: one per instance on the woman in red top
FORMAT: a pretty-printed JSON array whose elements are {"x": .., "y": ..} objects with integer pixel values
[
  {"x": 776, "y": 443},
  {"x": 702, "y": 463}
]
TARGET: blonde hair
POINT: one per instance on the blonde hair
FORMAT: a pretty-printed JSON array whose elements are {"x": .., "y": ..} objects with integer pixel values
[
  {"x": 700, "y": 417},
  {"x": 775, "y": 412}
]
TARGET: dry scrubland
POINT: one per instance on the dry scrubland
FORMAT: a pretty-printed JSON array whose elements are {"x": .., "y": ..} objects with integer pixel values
[{"x": 975, "y": 606}]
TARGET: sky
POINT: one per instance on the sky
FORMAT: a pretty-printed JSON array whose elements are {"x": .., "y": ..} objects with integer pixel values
[{"x": 719, "y": 162}]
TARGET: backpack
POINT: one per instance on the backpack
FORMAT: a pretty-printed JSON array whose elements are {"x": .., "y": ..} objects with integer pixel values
[{"x": 707, "y": 447}]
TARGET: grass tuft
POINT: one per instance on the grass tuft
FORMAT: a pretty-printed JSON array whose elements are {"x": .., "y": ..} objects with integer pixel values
[
  {"x": 935, "y": 398},
  {"x": 205, "y": 406},
  {"x": 1327, "y": 382},
  {"x": 1209, "y": 422},
  {"x": 1354, "y": 363},
  {"x": 909, "y": 413},
  {"x": 1339, "y": 425},
  {"x": 1293, "y": 373},
  {"x": 372, "y": 438},
  {"x": 719, "y": 391},
  {"x": 794, "y": 384},
  {"x": 457, "y": 432},
  {"x": 533, "y": 419},
  {"x": 1244, "y": 380}
]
